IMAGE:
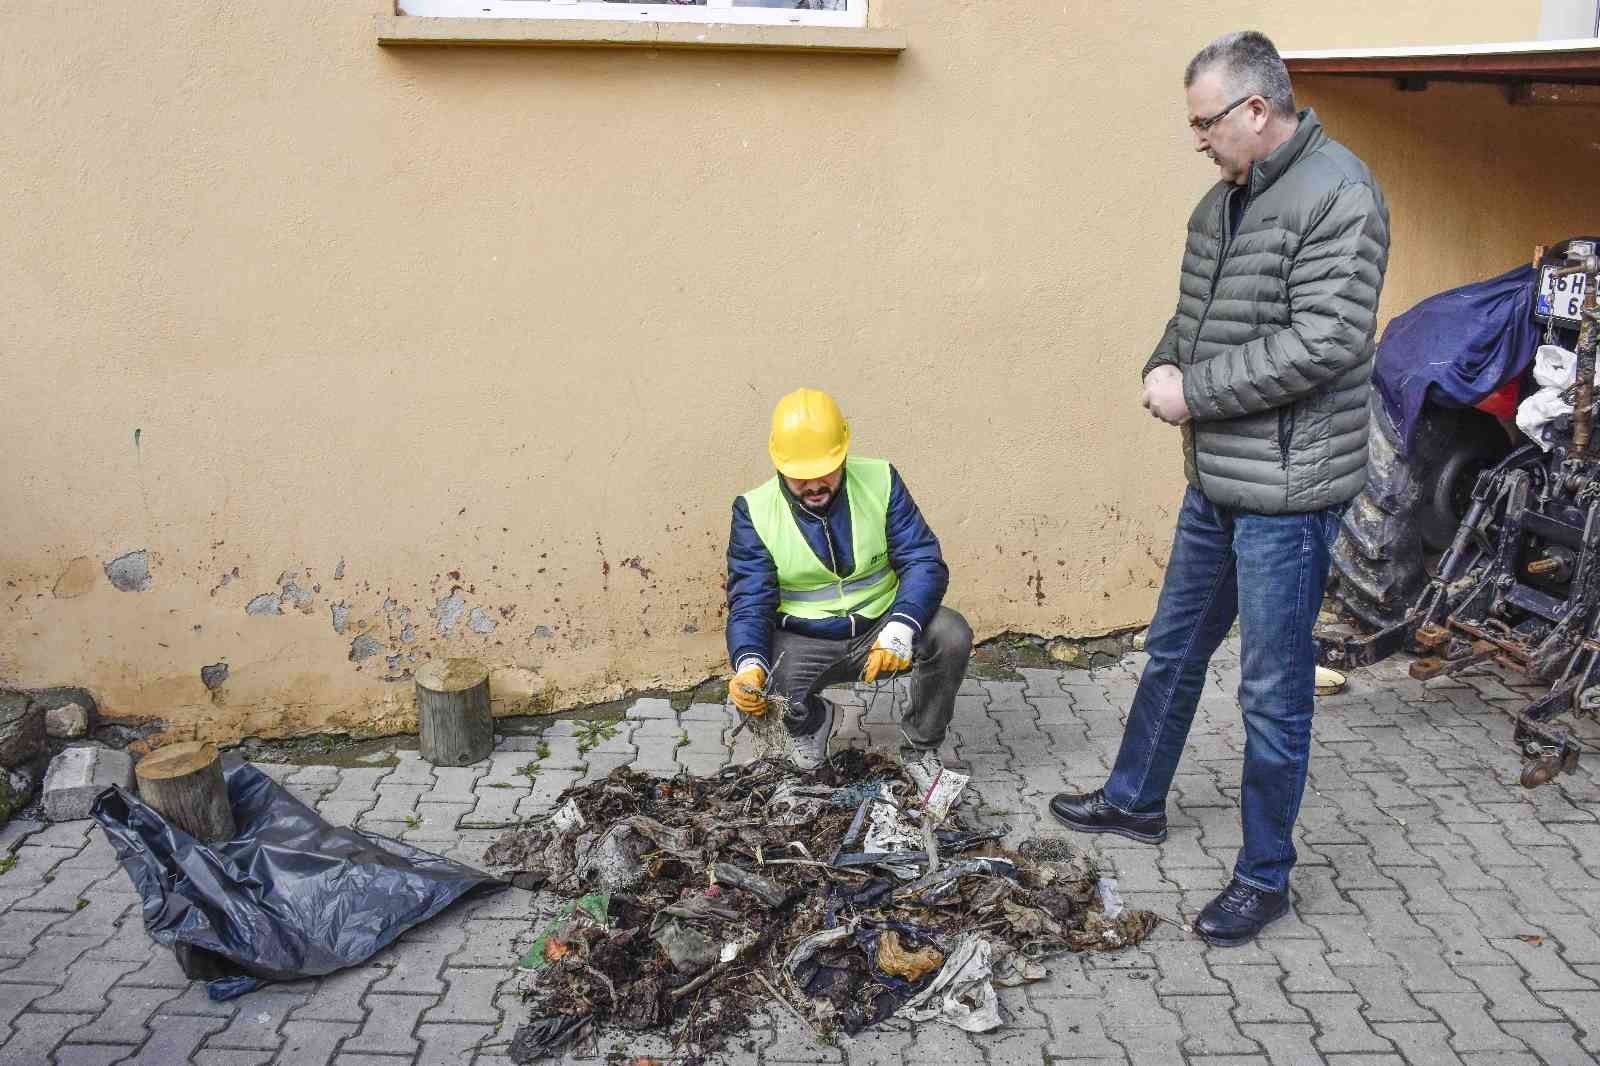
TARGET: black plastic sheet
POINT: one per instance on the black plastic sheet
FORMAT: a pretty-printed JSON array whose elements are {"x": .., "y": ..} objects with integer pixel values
[{"x": 290, "y": 896}]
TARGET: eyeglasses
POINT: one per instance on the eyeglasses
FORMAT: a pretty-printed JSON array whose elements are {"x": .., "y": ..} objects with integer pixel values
[{"x": 1200, "y": 125}]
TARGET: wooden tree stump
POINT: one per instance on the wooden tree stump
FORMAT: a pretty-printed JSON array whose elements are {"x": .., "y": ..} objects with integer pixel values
[
  {"x": 453, "y": 712},
  {"x": 184, "y": 782}
]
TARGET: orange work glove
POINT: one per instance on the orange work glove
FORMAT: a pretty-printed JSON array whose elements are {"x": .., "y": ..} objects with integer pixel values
[
  {"x": 746, "y": 687},
  {"x": 890, "y": 654}
]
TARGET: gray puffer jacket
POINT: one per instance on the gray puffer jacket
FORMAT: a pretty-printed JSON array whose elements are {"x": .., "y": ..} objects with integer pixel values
[{"x": 1274, "y": 329}]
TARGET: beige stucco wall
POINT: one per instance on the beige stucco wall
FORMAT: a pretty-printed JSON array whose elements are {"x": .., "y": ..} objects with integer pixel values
[{"x": 510, "y": 322}]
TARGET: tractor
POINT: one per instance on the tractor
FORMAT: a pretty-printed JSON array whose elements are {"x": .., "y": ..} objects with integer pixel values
[{"x": 1473, "y": 542}]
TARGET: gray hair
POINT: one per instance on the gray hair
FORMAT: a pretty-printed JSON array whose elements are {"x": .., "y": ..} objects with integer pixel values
[{"x": 1248, "y": 63}]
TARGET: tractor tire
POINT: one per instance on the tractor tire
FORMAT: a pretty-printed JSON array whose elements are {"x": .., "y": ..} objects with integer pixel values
[{"x": 1409, "y": 510}]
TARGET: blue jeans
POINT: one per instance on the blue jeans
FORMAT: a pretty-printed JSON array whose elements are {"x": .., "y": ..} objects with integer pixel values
[{"x": 1269, "y": 572}]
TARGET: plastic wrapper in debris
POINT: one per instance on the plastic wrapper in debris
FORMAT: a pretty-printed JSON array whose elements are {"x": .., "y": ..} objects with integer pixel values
[
  {"x": 940, "y": 791},
  {"x": 688, "y": 949},
  {"x": 289, "y": 896},
  {"x": 962, "y": 993},
  {"x": 544, "y": 1036},
  {"x": 793, "y": 803},
  {"x": 585, "y": 911},
  {"x": 889, "y": 829},
  {"x": 941, "y": 885},
  {"x": 1110, "y": 897},
  {"x": 897, "y": 960},
  {"x": 1011, "y": 967},
  {"x": 802, "y": 952},
  {"x": 616, "y": 860},
  {"x": 567, "y": 817}
]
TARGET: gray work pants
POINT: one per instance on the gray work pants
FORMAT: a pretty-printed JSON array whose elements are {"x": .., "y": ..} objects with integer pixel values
[{"x": 939, "y": 661}]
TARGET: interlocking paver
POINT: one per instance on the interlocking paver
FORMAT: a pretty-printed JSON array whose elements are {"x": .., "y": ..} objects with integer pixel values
[
  {"x": 1384, "y": 993},
  {"x": 34, "y": 1036},
  {"x": 85, "y": 985},
  {"x": 391, "y": 1019},
  {"x": 105, "y": 1055},
  {"x": 338, "y": 996},
  {"x": 127, "y": 1014},
  {"x": 258, "y": 1020},
  {"x": 174, "y": 1039},
  {"x": 1341, "y": 1026},
  {"x": 312, "y": 1043},
  {"x": 1556, "y": 1044},
  {"x": 1509, "y": 998},
  {"x": 1208, "y": 1025},
  {"x": 469, "y": 996},
  {"x": 14, "y": 999},
  {"x": 1259, "y": 994},
  {"x": 1467, "y": 1016},
  {"x": 1422, "y": 1044}
]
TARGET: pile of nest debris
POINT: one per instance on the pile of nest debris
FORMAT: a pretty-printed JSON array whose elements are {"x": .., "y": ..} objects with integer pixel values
[{"x": 848, "y": 895}]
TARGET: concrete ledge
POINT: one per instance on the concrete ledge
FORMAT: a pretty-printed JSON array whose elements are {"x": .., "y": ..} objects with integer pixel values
[{"x": 581, "y": 33}]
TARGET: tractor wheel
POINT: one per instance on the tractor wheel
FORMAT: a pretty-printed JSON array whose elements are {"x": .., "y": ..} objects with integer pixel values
[{"x": 1409, "y": 510}]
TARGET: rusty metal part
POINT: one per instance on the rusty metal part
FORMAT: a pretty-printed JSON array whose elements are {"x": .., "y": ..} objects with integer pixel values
[
  {"x": 1428, "y": 668},
  {"x": 1432, "y": 636},
  {"x": 1540, "y": 567}
]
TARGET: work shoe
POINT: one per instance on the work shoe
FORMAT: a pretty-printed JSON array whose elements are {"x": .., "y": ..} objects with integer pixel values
[
  {"x": 1236, "y": 916},
  {"x": 1090, "y": 813},
  {"x": 808, "y": 751}
]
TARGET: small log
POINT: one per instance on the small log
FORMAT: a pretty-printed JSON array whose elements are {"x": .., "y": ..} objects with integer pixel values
[
  {"x": 453, "y": 712},
  {"x": 184, "y": 782}
]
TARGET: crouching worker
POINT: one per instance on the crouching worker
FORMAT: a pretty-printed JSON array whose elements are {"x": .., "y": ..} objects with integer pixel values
[{"x": 833, "y": 577}]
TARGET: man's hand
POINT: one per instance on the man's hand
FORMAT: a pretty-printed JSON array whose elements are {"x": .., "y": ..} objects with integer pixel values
[
  {"x": 746, "y": 687},
  {"x": 1163, "y": 395},
  {"x": 891, "y": 653}
]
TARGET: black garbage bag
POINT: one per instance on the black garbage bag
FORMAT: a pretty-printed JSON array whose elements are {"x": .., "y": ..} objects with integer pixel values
[{"x": 289, "y": 896}]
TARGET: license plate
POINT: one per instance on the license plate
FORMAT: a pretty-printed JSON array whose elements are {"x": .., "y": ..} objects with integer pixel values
[{"x": 1562, "y": 296}]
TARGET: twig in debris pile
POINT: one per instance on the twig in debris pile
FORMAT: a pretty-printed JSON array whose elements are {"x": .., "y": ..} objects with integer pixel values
[
  {"x": 697, "y": 983},
  {"x": 792, "y": 1008},
  {"x": 812, "y": 862},
  {"x": 1172, "y": 921}
]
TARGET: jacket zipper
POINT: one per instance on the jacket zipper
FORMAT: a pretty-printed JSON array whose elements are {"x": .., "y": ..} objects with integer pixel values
[
  {"x": 1211, "y": 294},
  {"x": 1285, "y": 417},
  {"x": 1216, "y": 272},
  {"x": 833, "y": 564}
]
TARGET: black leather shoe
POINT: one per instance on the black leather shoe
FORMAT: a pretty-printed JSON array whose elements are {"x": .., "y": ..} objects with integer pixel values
[
  {"x": 1241, "y": 912},
  {"x": 1092, "y": 814}
]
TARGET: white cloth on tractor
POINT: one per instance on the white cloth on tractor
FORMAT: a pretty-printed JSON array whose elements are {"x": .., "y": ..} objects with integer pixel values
[{"x": 1554, "y": 368}]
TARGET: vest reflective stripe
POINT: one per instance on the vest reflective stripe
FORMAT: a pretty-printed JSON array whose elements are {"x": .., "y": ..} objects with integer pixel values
[
  {"x": 807, "y": 588},
  {"x": 824, "y": 595}
]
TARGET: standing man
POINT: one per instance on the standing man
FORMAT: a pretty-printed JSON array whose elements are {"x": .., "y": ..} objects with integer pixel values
[
  {"x": 833, "y": 577},
  {"x": 1265, "y": 367}
]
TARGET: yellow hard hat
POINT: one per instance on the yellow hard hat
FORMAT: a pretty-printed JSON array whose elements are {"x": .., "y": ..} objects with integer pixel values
[{"x": 809, "y": 435}]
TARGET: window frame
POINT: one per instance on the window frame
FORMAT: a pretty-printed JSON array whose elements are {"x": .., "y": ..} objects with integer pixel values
[{"x": 713, "y": 11}]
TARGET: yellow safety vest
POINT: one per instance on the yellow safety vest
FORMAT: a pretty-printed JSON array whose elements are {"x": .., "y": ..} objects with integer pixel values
[{"x": 807, "y": 588}]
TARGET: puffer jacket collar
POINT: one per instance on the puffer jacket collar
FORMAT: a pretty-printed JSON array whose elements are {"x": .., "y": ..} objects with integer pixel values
[{"x": 1307, "y": 137}]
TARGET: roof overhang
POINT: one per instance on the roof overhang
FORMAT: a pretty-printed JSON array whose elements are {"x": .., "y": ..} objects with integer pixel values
[{"x": 1575, "y": 62}]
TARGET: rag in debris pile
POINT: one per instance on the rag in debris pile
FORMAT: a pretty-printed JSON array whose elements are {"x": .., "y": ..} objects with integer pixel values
[
  {"x": 289, "y": 896},
  {"x": 760, "y": 882}
]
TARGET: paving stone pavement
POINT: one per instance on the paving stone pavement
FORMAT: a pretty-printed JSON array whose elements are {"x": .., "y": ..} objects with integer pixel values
[{"x": 1442, "y": 914}]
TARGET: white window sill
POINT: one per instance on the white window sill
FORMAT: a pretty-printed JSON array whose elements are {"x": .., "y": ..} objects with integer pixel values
[{"x": 564, "y": 33}]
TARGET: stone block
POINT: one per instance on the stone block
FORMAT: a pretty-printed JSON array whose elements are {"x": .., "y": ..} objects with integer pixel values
[
  {"x": 78, "y": 775},
  {"x": 21, "y": 729},
  {"x": 67, "y": 722}
]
